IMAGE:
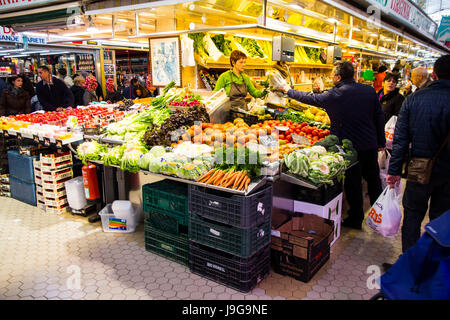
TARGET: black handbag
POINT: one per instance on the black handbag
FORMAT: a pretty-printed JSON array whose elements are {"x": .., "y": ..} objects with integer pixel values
[{"x": 419, "y": 169}]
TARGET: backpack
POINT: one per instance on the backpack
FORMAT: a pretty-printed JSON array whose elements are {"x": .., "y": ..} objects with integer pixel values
[{"x": 423, "y": 271}]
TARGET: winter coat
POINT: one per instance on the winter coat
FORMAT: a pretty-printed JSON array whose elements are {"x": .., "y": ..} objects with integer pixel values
[
  {"x": 114, "y": 97},
  {"x": 354, "y": 110},
  {"x": 55, "y": 95},
  {"x": 78, "y": 94},
  {"x": 89, "y": 96},
  {"x": 423, "y": 122},
  {"x": 11, "y": 104},
  {"x": 391, "y": 103}
]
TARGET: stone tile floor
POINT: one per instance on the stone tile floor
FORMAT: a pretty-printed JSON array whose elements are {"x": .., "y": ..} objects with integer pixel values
[{"x": 41, "y": 256}]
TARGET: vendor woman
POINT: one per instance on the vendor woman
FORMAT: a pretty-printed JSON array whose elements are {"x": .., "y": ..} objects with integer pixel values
[{"x": 236, "y": 83}]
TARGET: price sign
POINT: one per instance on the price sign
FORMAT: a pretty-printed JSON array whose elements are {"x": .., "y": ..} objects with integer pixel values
[
  {"x": 59, "y": 143},
  {"x": 300, "y": 139},
  {"x": 46, "y": 141},
  {"x": 35, "y": 138},
  {"x": 19, "y": 136},
  {"x": 268, "y": 141},
  {"x": 6, "y": 133},
  {"x": 279, "y": 128}
]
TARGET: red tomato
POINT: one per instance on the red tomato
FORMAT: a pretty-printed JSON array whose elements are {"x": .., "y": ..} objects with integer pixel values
[
  {"x": 289, "y": 138},
  {"x": 281, "y": 137}
]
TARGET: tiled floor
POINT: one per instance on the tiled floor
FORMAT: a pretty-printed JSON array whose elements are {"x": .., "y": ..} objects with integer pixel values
[{"x": 45, "y": 256}]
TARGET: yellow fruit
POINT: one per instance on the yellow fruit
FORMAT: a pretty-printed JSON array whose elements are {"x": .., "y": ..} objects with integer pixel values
[
  {"x": 318, "y": 118},
  {"x": 313, "y": 110}
]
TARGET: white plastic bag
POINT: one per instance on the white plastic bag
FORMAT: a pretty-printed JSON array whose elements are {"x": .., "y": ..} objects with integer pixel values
[
  {"x": 389, "y": 129},
  {"x": 385, "y": 215},
  {"x": 187, "y": 52},
  {"x": 383, "y": 162}
]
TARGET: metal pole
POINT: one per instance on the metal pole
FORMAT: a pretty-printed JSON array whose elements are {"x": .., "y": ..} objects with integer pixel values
[
  {"x": 136, "y": 20},
  {"x": 351, "y": 31},
  {"x": 264, "y": 12}
]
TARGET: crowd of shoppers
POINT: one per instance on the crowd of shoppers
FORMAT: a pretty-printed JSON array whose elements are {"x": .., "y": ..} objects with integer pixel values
[{"x": 390, "y": 98}]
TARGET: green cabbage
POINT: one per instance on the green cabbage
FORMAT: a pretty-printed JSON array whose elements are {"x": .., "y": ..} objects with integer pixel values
[{"x": 91, "y": 150}]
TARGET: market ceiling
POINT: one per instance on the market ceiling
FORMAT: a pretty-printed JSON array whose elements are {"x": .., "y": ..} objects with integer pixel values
[{"x": 132, "y": 22}]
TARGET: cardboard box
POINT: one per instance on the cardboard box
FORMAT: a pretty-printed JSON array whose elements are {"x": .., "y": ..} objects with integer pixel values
[
  {"x": 53, "y": 159},
  {"x": 301, "y": 246},
  {"x": 332, "y": 210}
]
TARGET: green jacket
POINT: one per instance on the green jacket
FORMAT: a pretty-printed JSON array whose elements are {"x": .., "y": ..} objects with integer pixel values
[{"x": 225, "y": 82}]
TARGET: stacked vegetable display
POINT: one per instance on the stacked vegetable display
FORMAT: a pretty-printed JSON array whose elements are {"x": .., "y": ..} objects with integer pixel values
[{"x": 316, "y": 165}]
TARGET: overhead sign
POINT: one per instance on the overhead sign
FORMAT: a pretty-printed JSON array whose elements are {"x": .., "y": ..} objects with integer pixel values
[
  {"x": 408, "y": 13},
  {"x": 12, "y": 5},
  {"x": 443, "y": 33},
  {"x": 8, "y": 35}
]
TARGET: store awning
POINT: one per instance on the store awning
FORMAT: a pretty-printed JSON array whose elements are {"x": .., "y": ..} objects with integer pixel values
[{"x": 45, "y": 16}]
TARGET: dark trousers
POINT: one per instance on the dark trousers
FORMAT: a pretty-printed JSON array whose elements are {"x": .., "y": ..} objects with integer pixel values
[
  {"x": 368, "y": 169},
  {"x": 415, "y": 205}
]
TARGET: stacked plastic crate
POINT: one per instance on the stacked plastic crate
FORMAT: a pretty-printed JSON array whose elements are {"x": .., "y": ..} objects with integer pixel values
[
  {"x": 229, "y": 236},
  {"x": 165, "y": 204},
  {"x": 38, "y": 180},
  {"x": 52, "y": 171},
  {"x": 5, "y": 187},
  {"x": 21, "y": 177}
]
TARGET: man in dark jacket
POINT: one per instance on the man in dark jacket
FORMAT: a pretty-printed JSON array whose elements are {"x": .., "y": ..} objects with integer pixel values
[
  {"x": 355, "y": 114},
  {"x": 424, "y": 122},
  {"x": 130, "y": 91},
  {"x": 53, "y": 93}
]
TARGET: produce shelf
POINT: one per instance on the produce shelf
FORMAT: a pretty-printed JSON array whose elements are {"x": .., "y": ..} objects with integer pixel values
[
  {"x": 76, "y": 138},
  {"x": 252, "y": 187}
]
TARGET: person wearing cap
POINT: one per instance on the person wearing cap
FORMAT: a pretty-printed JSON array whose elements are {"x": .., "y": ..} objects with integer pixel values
[
  {"x": 90, "y": 85},
  {"x": 112, "y": 95},
  {"x": 390, "y": 98}
]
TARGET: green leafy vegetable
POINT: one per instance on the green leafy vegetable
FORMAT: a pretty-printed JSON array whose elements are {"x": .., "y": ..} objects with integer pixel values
[{"x": 91, "y": 150}]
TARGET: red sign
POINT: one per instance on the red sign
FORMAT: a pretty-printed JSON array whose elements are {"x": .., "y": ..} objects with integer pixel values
[{"x": 401, "y": 7}]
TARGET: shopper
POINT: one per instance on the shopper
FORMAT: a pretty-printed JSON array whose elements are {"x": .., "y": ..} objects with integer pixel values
[
  {"x": 62, "y": 75},
  {"x": 35, "y": 105},
  {"x": 141, "y": 92},
  {"x": 15, "y": 100},
  {"x": 390, "y": 98},
  {"x": 419, "y": 80},
  {"x": 27, "y": 85},
  {"x": 379, "y": 77},
  {"x": 78, "y": 91},
  {"x": 89, "y": 96},
  {"x": 129, "y": 91},
  {"x": 52, "y": 93},
  {"x": 236, "y": 83},
  {"x": 3, "y": 86},
  {"x": 355, "y": 113},
  {"x": 112, "y": 95},
  {"x": 424, "y": 122}
]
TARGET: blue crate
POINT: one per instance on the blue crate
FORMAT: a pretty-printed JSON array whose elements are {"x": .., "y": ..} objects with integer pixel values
[
  {"x": 23, "y": 191},
  {"x": 21, "y": 166}
]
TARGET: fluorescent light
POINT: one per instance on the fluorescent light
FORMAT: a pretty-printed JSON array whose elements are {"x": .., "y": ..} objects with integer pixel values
[
  {"x": 212, "y": 9},
  {"x": 92, "y": 30},
  {"x": 356, "y": 29},
  {"x": 374, "y": 35},
  {"x": 332, "y": 20},
  {"x": 123, "y": 20},
  {"x": 307, "y": 45},
  {"x": 252, "y": 37},
  {"x": 217, "y": 31},
  {"x": 296, "y": 7},
  {"x": 105, "y": 17},
  {"x": 12, "y": 50},
  {"x": 244, "y": 16}
]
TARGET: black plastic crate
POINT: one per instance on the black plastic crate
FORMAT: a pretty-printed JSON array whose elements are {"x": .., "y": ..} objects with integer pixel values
[
  {"x": 167, "y": 197},
  {"x": 242, "y": 274},
  {"x": 175, "y": 248},
  {"x": 321, "y": 196},
  {"x": 242, "y": 242},
  {"x": 235, "y": 210},
  {"x": 165, "y": 223},
  {"x": 297, "y": 268}
]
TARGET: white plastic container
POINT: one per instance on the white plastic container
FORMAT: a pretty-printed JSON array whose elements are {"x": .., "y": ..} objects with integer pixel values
[
  {"x": 122, "y": 208},
  {"x": 111, "y": 223},
  {"x": 75, "y": 193}
]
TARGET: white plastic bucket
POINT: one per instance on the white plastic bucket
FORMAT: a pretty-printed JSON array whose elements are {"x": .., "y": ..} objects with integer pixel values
[
  {"x": 75, "y": 193},
  {"x": 124, "y": 224}
]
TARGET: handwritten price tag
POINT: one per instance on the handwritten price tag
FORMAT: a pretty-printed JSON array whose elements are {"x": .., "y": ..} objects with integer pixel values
[{"x": 46, "y": 142}]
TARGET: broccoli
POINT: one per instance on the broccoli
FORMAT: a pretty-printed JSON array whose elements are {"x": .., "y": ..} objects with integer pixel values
[
  {"x": 328, "y": 142},
  {"x": 333, "y": 149},
  {"x": 351, "y": 156},
  {"x": 347, "y": 144}
]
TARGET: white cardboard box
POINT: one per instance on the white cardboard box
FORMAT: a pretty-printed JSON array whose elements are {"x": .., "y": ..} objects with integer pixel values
[{"x": 332, "y": 210}]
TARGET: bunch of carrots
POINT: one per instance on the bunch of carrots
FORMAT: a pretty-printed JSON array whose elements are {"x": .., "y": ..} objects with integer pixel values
[{"x": 229, "y": 178}]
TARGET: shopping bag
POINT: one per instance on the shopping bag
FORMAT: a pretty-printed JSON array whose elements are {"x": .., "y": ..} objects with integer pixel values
[
  {"x": 385, "y": 215},
  {"x": 383, "y": 163},
  {"x": 389, "y": 129}
]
